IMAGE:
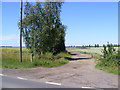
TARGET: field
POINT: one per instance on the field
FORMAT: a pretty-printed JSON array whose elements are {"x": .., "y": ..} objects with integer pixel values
[
  {"x": 10, "y": 59},
  {"x": 89, "y": 50}
]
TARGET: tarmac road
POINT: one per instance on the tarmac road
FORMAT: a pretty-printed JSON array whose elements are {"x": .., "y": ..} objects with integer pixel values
[{"x": 18, "y": 82}]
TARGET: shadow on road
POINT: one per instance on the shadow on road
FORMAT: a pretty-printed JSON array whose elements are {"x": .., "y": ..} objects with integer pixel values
[
  {"x": 71, "y": 53},
  {"x": 73, "y": 59}
]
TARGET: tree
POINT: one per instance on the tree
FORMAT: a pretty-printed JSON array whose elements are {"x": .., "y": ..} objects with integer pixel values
[
  {"x": 89, "y": 45},
  {"x": 28, "y": 29},
  {"x": 53, "y": 27},
  {"x": 96, "y": 45},
  {"x": 42, "y": 29}
]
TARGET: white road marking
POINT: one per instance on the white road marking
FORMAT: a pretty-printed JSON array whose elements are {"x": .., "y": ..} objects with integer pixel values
[
  {"x": 53, "y": 83},
  {"x": 87, "y": 87},
  {"x": 2, "y": 75},
  {"x": 21, "y": 78}
]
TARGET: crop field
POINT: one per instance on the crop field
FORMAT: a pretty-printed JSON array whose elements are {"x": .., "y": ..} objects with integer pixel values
[
  {"x": 13, "y": 52},
  {"x": 90, "y": 50}
]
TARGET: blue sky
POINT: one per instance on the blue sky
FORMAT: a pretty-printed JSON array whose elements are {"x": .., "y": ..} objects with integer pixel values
[{"x": 87, "y": 23}]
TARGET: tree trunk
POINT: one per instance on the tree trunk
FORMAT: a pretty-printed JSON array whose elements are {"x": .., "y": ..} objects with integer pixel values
[
  {"x": 39, "y": 55},
  {"x": 31, "y": 57}
]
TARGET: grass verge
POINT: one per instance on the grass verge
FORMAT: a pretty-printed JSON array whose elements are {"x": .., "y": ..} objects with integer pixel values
[
  {"x": 109, "y": 69},
  {"x": 10, "y": 59},
  {"x": 37, "y": 63}
]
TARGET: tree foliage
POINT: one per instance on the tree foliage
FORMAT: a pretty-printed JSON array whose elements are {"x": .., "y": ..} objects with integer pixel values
[{"x": 43, "y": 30}]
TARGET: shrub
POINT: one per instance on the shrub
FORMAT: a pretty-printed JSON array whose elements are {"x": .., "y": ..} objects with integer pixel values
[
  {"x": 108, "y": 51},
  {"x": 61, "y": 55},
  {"x": 110, "y": 56},
  {"x": 47, "y": 56},
  {"x": 110, "y": 59}
]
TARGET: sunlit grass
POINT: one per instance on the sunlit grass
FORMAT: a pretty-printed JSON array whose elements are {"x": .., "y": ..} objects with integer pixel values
[{"x": 11, "y": 55}]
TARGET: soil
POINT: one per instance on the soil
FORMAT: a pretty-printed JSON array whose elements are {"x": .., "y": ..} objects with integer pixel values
[{"x": 79, "y": 72}]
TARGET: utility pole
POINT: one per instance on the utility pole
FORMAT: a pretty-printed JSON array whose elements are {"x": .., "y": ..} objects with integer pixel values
[{"x": 21, "y": 28}]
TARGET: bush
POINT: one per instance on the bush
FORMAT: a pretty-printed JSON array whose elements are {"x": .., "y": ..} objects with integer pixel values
[
  {"x": 47, "y": 56},
  {"x": 110, "y": 56},
  {"x": 110, "y": 59},
  {"x": 108, "y": 50},
  {"x": 61, "y": 55}
]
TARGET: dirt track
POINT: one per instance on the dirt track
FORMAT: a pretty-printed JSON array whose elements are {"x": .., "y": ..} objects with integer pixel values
[{"x": 79, "y": 72}]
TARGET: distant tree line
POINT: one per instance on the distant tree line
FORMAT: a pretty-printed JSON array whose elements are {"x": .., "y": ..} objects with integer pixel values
[
  {"x": 43, "y": 30},
  {"x": 96, "y": 45},
  {"x": 6, "y": 46}
]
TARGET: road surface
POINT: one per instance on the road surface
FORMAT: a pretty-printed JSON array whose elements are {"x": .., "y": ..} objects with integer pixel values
[{"x": 19, "y": 82}]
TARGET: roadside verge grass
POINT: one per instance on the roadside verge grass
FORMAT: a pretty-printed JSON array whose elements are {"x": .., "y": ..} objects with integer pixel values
[
  {"x": 113, "y": 70},
  {"x": 10, "y": 59},
  {"x": 37, "y": 63}
]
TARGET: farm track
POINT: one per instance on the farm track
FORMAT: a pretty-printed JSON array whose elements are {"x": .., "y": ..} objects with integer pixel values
[{"x": 79, "y": 72}]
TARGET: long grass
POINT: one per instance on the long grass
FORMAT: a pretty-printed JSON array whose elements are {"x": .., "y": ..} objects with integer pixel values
[{"x": 10, "y": 59}]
